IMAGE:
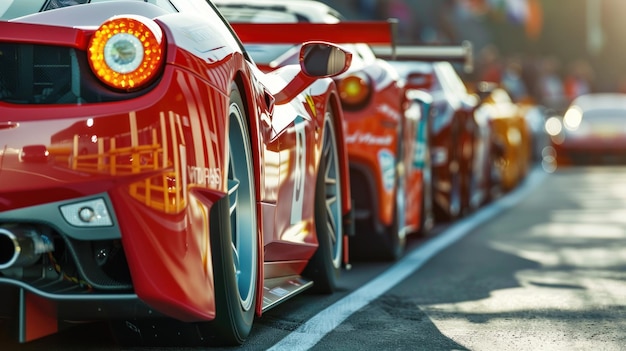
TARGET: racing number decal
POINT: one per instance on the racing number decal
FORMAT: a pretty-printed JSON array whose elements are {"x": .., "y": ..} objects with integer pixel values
[
  {"x": 387, "y": 161},
  {"x": 299, "y": 173}
]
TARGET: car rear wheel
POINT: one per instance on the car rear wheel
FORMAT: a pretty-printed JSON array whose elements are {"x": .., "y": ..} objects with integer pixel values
[
  {"x": 325, "y": 266},
  {"x": 234, "y": 252},
  {"x": 449, "y": 207},
  {"x": 427, "y": 216},
  {"x": 375, "y": 241},
  {"x": 394, "y": 240}
]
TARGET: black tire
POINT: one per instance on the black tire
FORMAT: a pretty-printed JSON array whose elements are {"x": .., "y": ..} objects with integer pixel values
[
  {"x": 234, "y": 252},
  {"x": 394, "y": 240},
  {"x": 324, "y": 268},
  {"x": 375, "y": 242},
  {"x": 427, "y": 215},
  {"x": 453, "y": 209}
]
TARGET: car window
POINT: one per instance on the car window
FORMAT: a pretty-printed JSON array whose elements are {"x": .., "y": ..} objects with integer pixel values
[
  {"x": 364, "y": 51},
  {"x": 450, "y": 79},
  {"x": 606, "y": 114}
]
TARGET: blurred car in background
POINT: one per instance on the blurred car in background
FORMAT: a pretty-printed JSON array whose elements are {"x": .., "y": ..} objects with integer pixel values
[
  {"x": 381, "y": 123},
  {"x": 418, "y": 153},
  {"x": 511, "y": 138},
  {"x": 536, "y": 116},
  {"x": 457, "y": 142},
  {"x": 591, "y": 131}
]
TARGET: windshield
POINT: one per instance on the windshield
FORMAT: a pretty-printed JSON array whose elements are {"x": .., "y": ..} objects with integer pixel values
[{"x": 617, "y": 116}]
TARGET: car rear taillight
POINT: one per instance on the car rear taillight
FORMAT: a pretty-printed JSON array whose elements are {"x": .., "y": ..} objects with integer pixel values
[
  {"x": 354, "y": 91},
  {"x": 127, "y": 52}
]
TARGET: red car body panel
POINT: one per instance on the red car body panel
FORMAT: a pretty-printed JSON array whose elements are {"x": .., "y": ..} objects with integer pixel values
[{"x": 159, "y": 159}]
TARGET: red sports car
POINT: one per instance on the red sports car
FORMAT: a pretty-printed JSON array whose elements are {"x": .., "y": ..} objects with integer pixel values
[
  {"x": 381, "y": 123},
  {"x": 151, "y": 175},
  {"x": 592, "y": 131},
  {"x": 510, "y": 134}
]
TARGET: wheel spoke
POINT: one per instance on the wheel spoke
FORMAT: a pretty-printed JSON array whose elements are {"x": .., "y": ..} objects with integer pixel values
[
  {"x": 331, "y": 189},
  {"x": 233, "y": 186},
  {"x": 332, "y": 226}
]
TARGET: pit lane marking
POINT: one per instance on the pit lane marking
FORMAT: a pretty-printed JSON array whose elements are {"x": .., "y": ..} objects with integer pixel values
[{"x": 312, "y": 331}]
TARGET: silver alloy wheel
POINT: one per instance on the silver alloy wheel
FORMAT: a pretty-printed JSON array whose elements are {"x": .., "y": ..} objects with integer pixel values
[
  {"x": 242, "y": 208},
  {"x": 332, "y": 186}
]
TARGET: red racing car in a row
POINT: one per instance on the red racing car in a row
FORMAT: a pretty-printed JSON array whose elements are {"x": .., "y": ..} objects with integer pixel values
[
  {"x": 152, "y": 176},
  {"x": 381, "y": 123},
  {"x": 458, "y": 142}
]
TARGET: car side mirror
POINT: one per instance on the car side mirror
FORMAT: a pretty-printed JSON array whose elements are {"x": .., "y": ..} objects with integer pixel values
[{"x": 321, "y": 59}]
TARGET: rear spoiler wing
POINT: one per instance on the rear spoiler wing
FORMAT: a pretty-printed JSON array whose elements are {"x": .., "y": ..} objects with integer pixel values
[
  {"x": 369, "y": 32},
  {"x": 455, "y": 53}
]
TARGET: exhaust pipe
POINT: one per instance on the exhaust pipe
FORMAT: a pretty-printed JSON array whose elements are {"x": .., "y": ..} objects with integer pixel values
[{"x": 22, "y": 246}]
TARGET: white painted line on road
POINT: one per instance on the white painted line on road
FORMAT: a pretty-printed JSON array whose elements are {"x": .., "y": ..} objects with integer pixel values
[{"x": 311, "y": 332}]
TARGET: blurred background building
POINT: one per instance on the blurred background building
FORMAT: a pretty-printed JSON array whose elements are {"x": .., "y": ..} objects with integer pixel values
[{"x": 559, "y": 48}]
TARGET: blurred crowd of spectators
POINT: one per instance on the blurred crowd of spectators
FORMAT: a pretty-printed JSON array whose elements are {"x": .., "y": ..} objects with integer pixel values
[{"x": 544, "y": 79}]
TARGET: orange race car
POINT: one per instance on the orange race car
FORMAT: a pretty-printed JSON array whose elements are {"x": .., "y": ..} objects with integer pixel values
[
  {"x": 511, "y": 136},
  {"x": 381, "y": 123}
]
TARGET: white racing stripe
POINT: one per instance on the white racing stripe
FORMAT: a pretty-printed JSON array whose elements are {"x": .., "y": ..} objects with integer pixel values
[{"x": 311, "y": 332}]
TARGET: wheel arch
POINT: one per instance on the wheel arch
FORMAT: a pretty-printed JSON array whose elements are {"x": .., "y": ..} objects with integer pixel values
[{"x": 248, "y": 96}]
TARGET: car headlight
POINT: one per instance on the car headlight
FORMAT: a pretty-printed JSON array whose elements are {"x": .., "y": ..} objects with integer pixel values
[
  {"x": 354, "y": 91},
  {"x": 127, "y": 52},
  {"x": 553, "y": 126},
  {"x": 572, "y": 118}
]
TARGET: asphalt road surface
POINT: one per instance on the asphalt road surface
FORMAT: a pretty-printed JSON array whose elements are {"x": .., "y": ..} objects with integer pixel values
[{"x": 542, "y": 268}]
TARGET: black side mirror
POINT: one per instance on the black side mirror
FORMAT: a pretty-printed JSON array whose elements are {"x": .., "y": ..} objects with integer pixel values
[{"x": 322, "y": 59}]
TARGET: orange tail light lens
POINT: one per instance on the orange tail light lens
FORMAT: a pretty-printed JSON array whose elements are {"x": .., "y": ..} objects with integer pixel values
[
  {"x": 354, "y": 91},
  {"x": 127, "y": 52}
]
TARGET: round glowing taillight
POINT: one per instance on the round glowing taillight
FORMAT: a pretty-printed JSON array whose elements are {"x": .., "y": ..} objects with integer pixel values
[
  {"x": 127, "y": 52},
  {"x": 354, "y": 90}
]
